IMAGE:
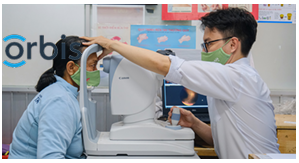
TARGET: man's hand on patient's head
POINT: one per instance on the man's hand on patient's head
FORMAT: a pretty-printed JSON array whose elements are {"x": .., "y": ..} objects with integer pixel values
[{"x": 104, "y": 42}]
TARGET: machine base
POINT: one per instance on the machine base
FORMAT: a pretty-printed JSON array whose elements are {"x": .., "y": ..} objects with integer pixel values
[
  {"x": 113, "y": 148},
  {"x": 195, "y": 156},
  {"x": 149, "y": 131}
]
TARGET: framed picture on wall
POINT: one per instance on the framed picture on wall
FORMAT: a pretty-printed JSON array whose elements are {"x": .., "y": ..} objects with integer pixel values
[
  {"x": 196, "y": 11},
  {"x": 177, "y": 8},
  {"x": 114, "y": 21},
  {"x": 187, "y": 11},
  {"x": 252, "y": 8},
  {"x": 120, "y": 14}
]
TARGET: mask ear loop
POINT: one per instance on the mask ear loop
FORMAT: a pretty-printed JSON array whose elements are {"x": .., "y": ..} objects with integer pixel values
[
  {"x": 231, "y": 54},
  {"x": 226, "y": 42},
  {"x": 77, "y": 64}
]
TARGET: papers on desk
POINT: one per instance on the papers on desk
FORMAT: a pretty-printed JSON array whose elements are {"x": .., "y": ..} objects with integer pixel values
[
  {"x": 276, "y": 156},
  {"x": 289, "y": 122}
]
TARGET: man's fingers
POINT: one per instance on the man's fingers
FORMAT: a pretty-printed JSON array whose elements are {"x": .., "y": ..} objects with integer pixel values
[
  {"x": 104, "y": 53},
  {"x": 88, "y": 43},
  {"x": 87, "y": 38},
  {"x": 171, "y": 109},
  {"x": 169, "y": 119},
  {"x": 101, "y": 56},
  {"x": 183, "y": 111},
  {"x": 169, "y": 115},
  {"x": 181, "y": 123}
]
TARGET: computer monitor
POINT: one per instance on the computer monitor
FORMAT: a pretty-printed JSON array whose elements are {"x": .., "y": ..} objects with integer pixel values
[{"x": 177, "y": 95}]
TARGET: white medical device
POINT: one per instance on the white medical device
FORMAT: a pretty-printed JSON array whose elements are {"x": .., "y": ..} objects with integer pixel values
[{"x": 132, "y": 94}]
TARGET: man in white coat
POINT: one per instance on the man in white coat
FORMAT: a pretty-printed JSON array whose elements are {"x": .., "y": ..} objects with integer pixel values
[{"x": 240, "y": 107}]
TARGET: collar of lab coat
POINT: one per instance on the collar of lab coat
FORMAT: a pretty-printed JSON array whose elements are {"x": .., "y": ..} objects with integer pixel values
[
  {"x": 68, "y": 86},
  {"x": 242, "y": 61}
]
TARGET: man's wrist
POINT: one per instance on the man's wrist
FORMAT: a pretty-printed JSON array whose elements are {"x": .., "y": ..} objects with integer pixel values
[
  {"x": 196, "y": 122},
  {"x": 113, "y": 44}
]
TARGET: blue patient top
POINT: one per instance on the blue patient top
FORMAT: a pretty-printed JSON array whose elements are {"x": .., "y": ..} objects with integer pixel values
[{"x": 51, "y": 125}]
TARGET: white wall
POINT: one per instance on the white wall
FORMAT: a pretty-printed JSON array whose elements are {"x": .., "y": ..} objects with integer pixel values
[
  {"x": 274, "y": 55},
  {"x": 31, "y": 21}
]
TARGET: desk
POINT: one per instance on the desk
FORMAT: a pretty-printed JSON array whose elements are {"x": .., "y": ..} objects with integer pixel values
[
  {"x": 286, "y": 134},
  {"x": 204, "y": 150}
]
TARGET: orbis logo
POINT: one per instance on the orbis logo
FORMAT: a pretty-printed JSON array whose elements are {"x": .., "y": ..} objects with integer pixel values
[{"x": 30, "y": 45}]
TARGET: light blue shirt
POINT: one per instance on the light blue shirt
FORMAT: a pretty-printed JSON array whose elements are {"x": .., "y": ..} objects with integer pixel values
[{"x": 51, "y": 125}]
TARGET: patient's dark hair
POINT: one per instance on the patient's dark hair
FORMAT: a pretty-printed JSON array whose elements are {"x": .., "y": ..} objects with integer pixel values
[
  {"x": 234, "y": 22},
  {"x": 59, "y": 64}
]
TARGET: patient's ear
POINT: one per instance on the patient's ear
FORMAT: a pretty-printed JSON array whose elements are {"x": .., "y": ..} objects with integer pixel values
[{"x": 71, "y": 68}]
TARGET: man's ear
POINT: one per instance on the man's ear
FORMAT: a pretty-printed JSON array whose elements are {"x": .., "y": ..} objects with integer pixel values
[
  {"x": 234, "y": 44},
  {"x": 71, "y": 68}
]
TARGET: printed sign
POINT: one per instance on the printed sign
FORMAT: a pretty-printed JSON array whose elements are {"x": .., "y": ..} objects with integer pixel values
[
  {"x": 155, "y": 37},
  {"x": 277, "y": 13}
]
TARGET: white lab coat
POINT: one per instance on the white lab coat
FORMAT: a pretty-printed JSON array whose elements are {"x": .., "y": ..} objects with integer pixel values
[
  {"x": 240, "y": 107},
  {"x": 159, "y": 108}
]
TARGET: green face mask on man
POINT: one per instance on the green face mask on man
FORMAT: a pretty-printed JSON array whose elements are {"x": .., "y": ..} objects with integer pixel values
[
  {"x": 216, "y": 56},
  {"x": 92, "y": 77}
]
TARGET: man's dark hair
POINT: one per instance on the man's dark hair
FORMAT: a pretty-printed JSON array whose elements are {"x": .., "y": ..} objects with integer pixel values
[{"x": 234, "y": 22}]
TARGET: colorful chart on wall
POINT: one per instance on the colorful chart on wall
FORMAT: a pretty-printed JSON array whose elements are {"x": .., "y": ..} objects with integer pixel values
[
  {"x": 155, "y": 37},
  {"x": 196, "y": 11},
  {"x": 277, "y": 13},
  {"x": 119, "y": 32}
]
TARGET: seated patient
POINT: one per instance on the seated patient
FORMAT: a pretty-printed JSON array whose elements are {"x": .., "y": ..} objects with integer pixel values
[{"x": 51, "y": 125}]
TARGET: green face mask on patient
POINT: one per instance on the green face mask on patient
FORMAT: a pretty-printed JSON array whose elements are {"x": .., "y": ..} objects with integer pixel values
[
  {"x": 92, "y": 77},
  {"x": 216, "y": 56}
]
